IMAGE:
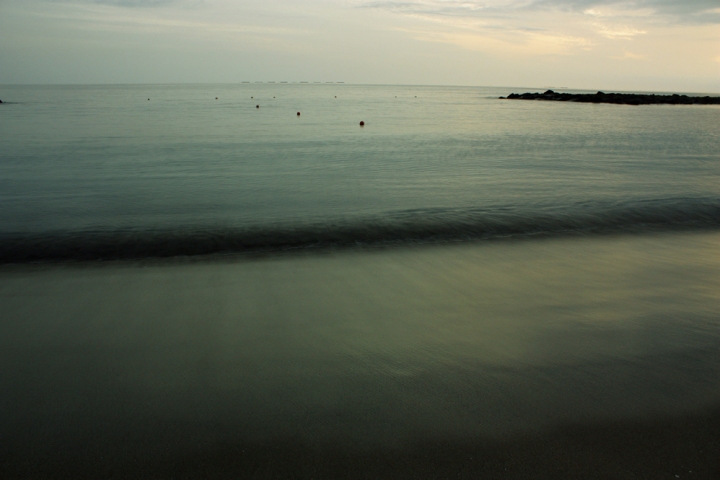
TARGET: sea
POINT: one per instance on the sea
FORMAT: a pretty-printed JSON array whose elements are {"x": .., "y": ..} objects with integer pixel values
[
  {"x": 292, "y": 280},
  {"x": 106, "y": 172}
]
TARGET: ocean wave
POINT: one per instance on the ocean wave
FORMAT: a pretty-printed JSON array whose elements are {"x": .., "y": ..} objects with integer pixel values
[{"x": 405, "y": 227}]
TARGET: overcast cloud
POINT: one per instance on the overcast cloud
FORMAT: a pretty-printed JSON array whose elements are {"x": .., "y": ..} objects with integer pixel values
[
  {"x": 636, "y": 44},
  {"x": 693, "y": 11}
]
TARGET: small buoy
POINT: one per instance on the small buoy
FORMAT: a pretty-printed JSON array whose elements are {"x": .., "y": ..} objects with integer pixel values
[
  {"x": 252, "y": 97},
  {"x": 148, "y": 99},
  {"x": 362, "y": 124},
  {"x": 257, "y": 106},
  {"x": 298, "y": 114},
  {"x": 273, "y": 97},
  {"x": 335, "y": 96}
]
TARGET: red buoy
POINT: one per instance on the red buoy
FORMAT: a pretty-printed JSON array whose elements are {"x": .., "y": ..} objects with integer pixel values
[{"x": 362, "y": 124}]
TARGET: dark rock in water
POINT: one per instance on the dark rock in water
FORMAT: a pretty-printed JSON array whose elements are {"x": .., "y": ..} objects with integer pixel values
[{"x": 618, "y": 98}]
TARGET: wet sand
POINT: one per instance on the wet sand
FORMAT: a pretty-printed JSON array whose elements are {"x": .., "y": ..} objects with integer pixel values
[{"x": 588, "y": 357}]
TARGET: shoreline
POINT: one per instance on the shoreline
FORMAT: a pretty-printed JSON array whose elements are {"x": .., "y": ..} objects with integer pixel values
[
  {"x": 326, "y": 250},
  {"x": 140, "y": 244}
]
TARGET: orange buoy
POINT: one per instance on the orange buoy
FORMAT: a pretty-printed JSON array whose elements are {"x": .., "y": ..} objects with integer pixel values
[{"x": 362, "y": 124}]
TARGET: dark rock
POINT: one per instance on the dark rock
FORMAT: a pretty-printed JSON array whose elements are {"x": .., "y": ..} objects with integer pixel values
[{"x": 617, "y": 98}]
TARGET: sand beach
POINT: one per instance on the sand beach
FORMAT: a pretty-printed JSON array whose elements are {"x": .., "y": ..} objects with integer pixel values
[{"x": 538, "y": 358}]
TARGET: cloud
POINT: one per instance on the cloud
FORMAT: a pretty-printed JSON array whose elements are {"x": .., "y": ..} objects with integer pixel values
[
  {"x": 629, "y": 56},
  {"x": 508, "y": 41},
  {"x": 127, "y": 3},
  {"x": 134, "y": 3},
  {"x": 444, "y": 8},
  {"x": 617, "y": 31},
  {"x": 125, "y": 22},
  {"x": 679, "y": 7},
  {"x": 686, "y": 11}
]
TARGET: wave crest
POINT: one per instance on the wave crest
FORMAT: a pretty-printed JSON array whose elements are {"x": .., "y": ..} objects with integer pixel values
[{"x": 417, "y": 226}]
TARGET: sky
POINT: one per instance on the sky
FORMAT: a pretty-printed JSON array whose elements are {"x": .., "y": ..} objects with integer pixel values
[{"x": 650, "y": 45}]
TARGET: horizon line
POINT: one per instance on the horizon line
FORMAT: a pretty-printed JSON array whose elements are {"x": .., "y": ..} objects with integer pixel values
[{"x": 341, "y": 83}]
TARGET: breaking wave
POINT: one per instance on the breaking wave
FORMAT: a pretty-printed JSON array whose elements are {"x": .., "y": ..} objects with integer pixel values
[{"x": 406, "y": 227}]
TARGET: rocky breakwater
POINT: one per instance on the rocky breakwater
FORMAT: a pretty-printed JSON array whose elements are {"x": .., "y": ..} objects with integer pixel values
[{"x": 619, "y": 98}]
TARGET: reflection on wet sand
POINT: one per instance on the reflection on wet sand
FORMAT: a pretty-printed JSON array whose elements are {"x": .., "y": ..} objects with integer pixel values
[{"x": 536, "y": 357}]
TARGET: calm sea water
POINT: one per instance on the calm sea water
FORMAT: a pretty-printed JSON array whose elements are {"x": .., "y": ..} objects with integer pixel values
[{"x": 152, "y": 163}]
